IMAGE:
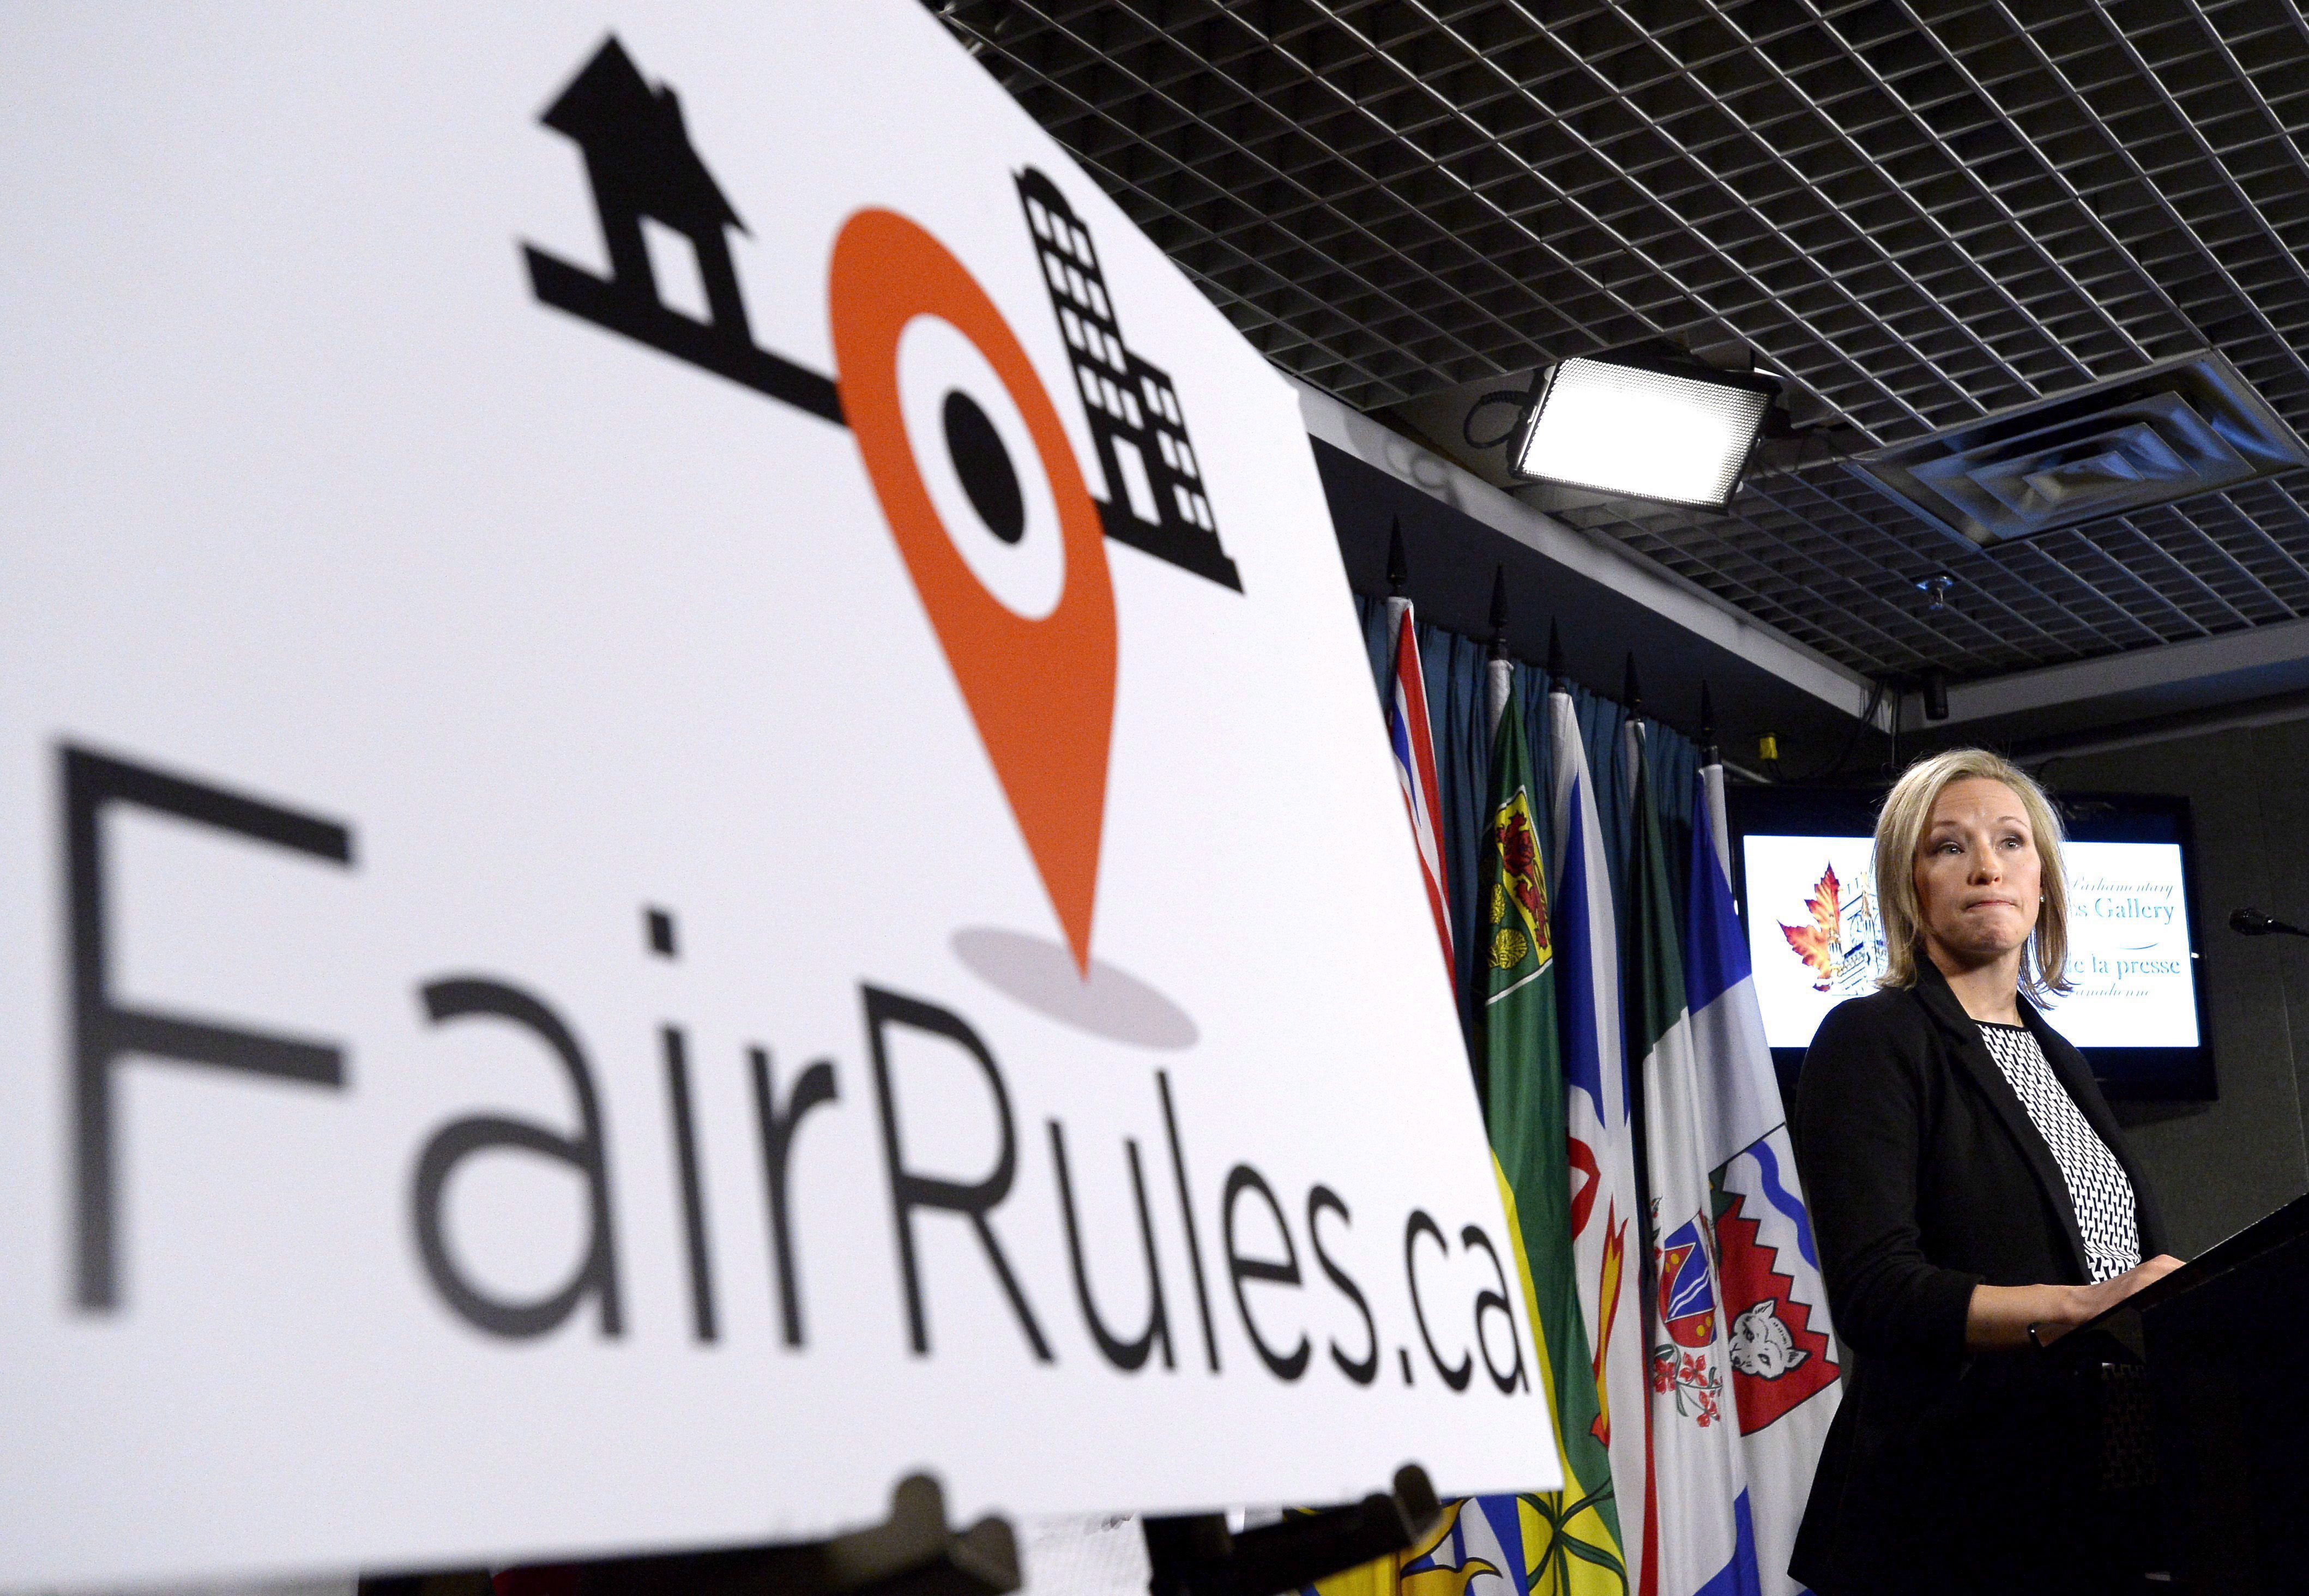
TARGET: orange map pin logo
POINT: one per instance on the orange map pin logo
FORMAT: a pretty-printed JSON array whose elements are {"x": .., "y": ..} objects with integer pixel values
[{"x": 1010, "y": 562}]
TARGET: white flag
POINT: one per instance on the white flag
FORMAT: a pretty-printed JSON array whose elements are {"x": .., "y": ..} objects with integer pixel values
[
  {"x": 1607, "y": 1241},
  {"x": 1784, "y": 1359},
  {"x": 1704, "y": 1544}
]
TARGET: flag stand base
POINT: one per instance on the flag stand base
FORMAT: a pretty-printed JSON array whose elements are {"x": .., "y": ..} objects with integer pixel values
[
  {"x": 912, "y": 1553},
  {"x": 1197, "y": 1556}
]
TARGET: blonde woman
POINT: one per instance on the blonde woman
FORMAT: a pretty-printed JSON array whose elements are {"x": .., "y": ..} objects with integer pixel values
[{"x": 1974, "y": 1202}]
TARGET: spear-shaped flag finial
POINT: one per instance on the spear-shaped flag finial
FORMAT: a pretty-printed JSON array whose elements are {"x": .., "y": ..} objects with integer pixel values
[{"x": 1397, "y": 572}]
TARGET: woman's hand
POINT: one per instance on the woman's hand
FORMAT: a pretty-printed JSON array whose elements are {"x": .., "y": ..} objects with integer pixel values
[
  {"x": 1999, "y": 1317},
  {"x": 2099, "y": 1298}
]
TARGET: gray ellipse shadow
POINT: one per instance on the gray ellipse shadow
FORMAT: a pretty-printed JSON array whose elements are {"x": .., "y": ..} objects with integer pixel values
[{"x": 1041, "y": 975}]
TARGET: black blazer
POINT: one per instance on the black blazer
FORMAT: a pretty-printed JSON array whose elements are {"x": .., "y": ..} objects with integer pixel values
[{"x": 1925, "y": 1177}]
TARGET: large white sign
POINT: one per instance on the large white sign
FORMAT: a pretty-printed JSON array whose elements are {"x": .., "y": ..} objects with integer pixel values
[{"x": 691, "y": 818}]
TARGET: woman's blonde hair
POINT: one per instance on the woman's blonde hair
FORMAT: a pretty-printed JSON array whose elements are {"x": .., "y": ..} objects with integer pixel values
[{"x": 1900, "y": 827}]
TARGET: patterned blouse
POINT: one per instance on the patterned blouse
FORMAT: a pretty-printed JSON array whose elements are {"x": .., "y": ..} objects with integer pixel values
[{"x": 2098, "y": 1187}]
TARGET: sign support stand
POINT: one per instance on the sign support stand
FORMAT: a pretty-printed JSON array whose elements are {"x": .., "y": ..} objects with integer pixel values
[
  {"x": 1197, "y": 1556},
  {"x": 912, "y": 1553}
]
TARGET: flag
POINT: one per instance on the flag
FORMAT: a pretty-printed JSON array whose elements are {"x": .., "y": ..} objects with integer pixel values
[
  {"x": 1783, "y": 1360},
  {"x": 1413, "y": 738},
  {"x": 1700, "y": 1539},
  {"x": 1598, "y": 1135},
  {"x": 1565, "y": 1541}
]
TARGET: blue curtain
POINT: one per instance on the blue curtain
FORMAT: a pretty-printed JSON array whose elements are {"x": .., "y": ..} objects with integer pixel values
[{"x": 1454, "y": 669}]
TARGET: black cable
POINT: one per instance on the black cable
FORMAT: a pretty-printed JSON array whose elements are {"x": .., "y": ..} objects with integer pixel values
[
  {"x": 1514, "y": 396},
  {"x": 1804, "y": 441},
  {"x": 1867, "y": 719}
]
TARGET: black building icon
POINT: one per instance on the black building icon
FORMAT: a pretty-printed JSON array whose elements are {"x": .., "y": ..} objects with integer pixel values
[
  {"x": 640, "y": 164},
  {"x": 1156, "y": 498}
]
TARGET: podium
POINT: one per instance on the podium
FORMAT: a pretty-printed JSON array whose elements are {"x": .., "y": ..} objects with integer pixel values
[{"x": 2204, "y": 1413}]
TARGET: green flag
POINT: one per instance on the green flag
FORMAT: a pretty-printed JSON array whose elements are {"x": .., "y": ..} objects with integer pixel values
[
  {"x": 1571, "y": 1539},
  {"x": 1654, "y": 961}
]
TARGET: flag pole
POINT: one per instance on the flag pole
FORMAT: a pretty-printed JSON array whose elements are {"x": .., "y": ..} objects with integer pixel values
[
  {"x": 1631, "y": 694},
  {"x": 1500, "y": 668},
  {"x": 1398, "y": 577}
]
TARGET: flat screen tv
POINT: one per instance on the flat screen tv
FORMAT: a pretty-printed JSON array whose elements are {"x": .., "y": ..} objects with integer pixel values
[{"x": 1801, "y": 874}]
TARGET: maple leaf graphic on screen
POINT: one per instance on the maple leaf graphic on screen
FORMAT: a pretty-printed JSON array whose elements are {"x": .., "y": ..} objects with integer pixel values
[{"x": 1816, "y": 944}]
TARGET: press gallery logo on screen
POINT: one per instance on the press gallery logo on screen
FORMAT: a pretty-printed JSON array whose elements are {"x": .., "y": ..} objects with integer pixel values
[{"x": 1004, "y": 542}]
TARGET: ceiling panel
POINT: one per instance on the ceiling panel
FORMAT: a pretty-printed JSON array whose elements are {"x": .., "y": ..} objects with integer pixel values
[{"x": 1915, "y": 214}]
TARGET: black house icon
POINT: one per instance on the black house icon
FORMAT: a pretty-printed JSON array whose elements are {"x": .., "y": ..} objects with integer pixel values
[{"x": 640, "y": 164}]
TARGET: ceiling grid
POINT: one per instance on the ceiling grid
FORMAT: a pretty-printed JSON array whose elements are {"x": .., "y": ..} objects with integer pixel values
[{"x": 1915, "y": 213}]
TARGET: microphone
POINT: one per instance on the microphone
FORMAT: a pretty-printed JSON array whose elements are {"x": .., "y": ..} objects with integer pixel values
[{"x": 2252, "y": 922}]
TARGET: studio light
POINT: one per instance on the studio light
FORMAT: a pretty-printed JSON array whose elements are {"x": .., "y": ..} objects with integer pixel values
[{"x": 1643, "y": 428}]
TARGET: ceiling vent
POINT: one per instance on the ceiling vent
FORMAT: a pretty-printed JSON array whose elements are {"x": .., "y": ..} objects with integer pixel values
[{"x": 2181, "y": 428}]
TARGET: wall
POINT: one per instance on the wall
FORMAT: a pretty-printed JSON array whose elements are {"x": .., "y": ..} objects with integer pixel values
[{"x": 2220, "y": 1165}]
